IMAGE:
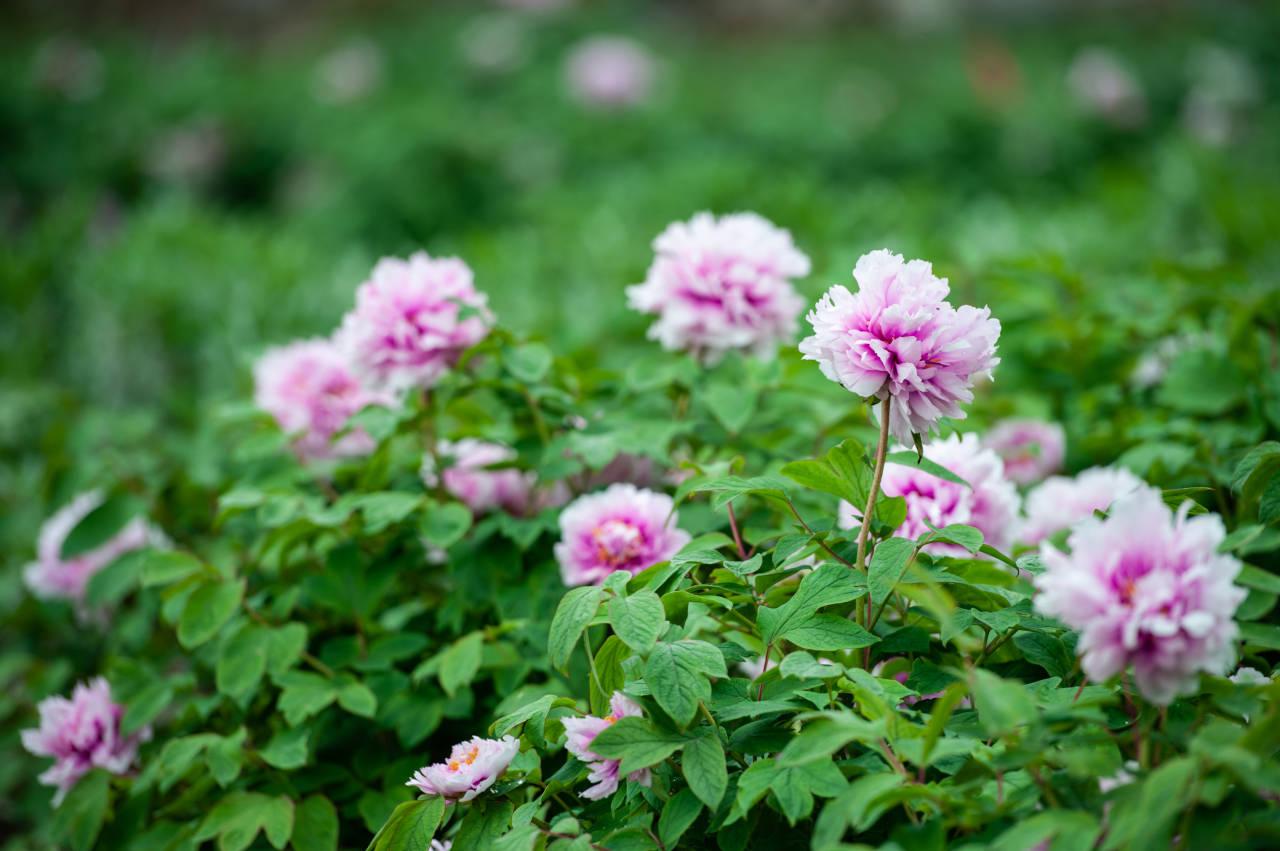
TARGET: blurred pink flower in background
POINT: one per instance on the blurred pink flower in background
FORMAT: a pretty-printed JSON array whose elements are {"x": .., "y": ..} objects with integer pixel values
[
  {"x": 350, "y": 72},
  {"x": 1225, "y": 89},
  {"x": 610, "y": 71},
  {"x": 495, "y": 44},
  {"x": 51, "y": 576},
  {"x": 899, "y": 338},
  {"x": 82, "y": 733},
  {"x": 721, "y": 285},
  {"x": 1146, "y": 588},
  {"x": 581, "y": 732},
  {"x": 1104, "y": 86},
  {"x": 467, "y": 476},
  {"x": 412, "y": 320},
  {"x": 620, "y": 528},
  {"x": 472, "y": 767},
  {"x": 1030, "y": 449},
  {"x": 1060, "y": 502}
]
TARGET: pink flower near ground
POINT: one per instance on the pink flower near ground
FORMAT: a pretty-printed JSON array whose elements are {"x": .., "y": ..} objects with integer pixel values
[
  {"x": 721, "y": 285},
  {"x": 610, "y": 72},
  {"x": 51, "y": 576},
  {"x": 898, "y": 338},
  {"x": 471, "y": 768},
  {"x": 412, "y": 320},
  {"x": 311, "y": 391},
  {"x": 620, "y": 528},
  {"x": 1030, "y": 449},
  {"x": 467, "y": 476},
  {"x": 989, "y": 503},
  {"x": 82, "y": 733},
  {"x": 581, "y": 732},
  {"x": 1060, "y": 502},
  {"x": 1146, "y": 588}
]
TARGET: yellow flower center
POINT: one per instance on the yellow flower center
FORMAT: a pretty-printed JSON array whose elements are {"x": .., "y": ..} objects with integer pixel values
[{"x": 470, "y": 757}]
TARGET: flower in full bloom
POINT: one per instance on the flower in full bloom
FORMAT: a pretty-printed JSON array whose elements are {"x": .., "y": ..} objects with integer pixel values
[
  {"x": 1030, "y": 449},
  {"x": 311, "y": 391},
  {"x": 610, "y": 72},
  {"x": 989, "y": 503},
  {"x": 899, "y": 339},
  {"x": 469, "y": 477},
  {"x": 82, "y": 733},
  {"x": 721, "y": 285},
  {"x": 51, "y": 576},
  {"x": 412, "y": 320},
  {"x": 620, "y": 528},
  {"x": 1061, "y": 502},
  {"x": 581, "y": 732},
  {"x": 1146, "y": 588},
  {"x": 472, "y": 767}
]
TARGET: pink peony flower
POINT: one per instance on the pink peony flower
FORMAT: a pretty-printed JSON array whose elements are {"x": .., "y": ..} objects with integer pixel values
[
  {"x": 473, "y": 476},
  {"x": 412, "y": 320},
  {"x": 1146, "y": 588},
  {"x": 581, "y": 732},
  {"x": 989, "y": 503},
  {"x": 472, "y": 767},
  {"x": 721, "y": 285},
  {"x": 610, "y": 72},
  {"x": 82, "y": 734},
  {"x": 1030, "y": 449},
  {"x": 898, "y": 338},
  {"x": 1060, "y": 502},
  {"x": 51, "y": 576},
  {"x": 311, "y": 391},
  {"x": 620, "y": 528}
]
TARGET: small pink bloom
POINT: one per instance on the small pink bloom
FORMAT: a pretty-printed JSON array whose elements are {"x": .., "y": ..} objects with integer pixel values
[
  {"x": 721, "y": 285},
  {"x": 1059, "y": 503},
  {"x": 51, "y": 576},
  {"x": 311, "y": 391},
  {"x": 471, "y": 768},
  {"x": 1031, "y": 449},
  {"x": 412, "y": 320},
  {"x": 620, "y": 528},
  {"x": 899, "y": 338},
  {"x": 1146, "y": 588},
  {"x": 469, "y": 477},
  {"x": 581, "y": 732},
  {"x": 610, "y": 71},
  {"x": 81, "y": 734},
  {"x": 1103, "y": 85}
]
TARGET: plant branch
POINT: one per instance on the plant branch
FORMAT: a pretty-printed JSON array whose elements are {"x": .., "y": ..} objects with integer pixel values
[{"x": 881, "y": 449}]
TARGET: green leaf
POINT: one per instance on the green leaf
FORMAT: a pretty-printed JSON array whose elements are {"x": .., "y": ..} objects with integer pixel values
[
  {"x": 1202, "y": 382},
  {"x": 102, "y": 524},
  {"x": 285, "y": 645},
  {"x": 703, "y": 764},
  {"x": 209, "y": 607},
  {"x": 460, "y": 662},
  {"x": 164, "y": 567},
  {"x": 909, "y": 458},
  {"x": 111, "y": 584},
  {"x": 242, "y": 662},
  {"x": 859, "y": 806},
  {"x": 304, "y": 694},
  {"x": 677, "y": 672},
  {"x": 79, "y": 819},
  {"x": 962, "y": 536},
  {"x": 637, "y": 742},
  {"x": 823, "y": 737},
  {"x": 577, "y": 609},
  {"x": 829, "y": 632},
  {"x": 444, "y": 524},
  {"x": 225, "y": 757},
  {"x": 609, "y": 659},
  {"x": 1066, "y": 830},
  {"x": 144, "y": 706},
  {"x": 315, "y": 825},
  {"x": 411, "y": 826},
  {"x": 1003, "y": 705},
  {"x": 357, "y": 698},
  {"x": 485, "y": 822},
  {"x": 678, "y": 815},
  {"x": 384, "y": 509},
  {"x": 802, "y": 665},
  {"x": 287, "y": 749},
  {"x": 639, "y": 620},
  {"x": 887, "y": 565},
  {"x": 1263, "y": 635},
  {"x": 793, "y": 786},
  {"x": 844, "y": 472},
  {"x": 732, "y": 404},
  {"x": 528, "y": 363},
  {"x": 1047, "y": 651},
  {"x": 829, "y": 585}
]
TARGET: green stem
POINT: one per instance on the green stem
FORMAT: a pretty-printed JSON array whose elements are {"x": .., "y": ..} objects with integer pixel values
[{"x": 882, "y": 449}]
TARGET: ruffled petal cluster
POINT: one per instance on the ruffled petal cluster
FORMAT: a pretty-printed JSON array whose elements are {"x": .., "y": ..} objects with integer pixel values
[
  {"x": 898, "y": 338},
  {"x": 1061, "y": 502},
  {"x": 82, "y": 733},
  {"x": 722, "y": 284},
  {"x": 1146, "y": 589},
  {"x": 620, "y": 528},
  {"x": 610, "y": 72},
  {"x": 1030, "y": 449},
  {"x": 581, "y": 732},
  {"x": 412, "y": 320},
  {"x": 471, "y": 768},
  {"x": 472, "y": 475}
]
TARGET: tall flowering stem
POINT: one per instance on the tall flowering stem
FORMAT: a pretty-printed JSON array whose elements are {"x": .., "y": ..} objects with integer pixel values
[{"x": 881, "y": 449}]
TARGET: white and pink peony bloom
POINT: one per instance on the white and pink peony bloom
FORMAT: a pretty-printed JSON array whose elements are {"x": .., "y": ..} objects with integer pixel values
[
  {"x": 581, "y": 732},
  {"x": 51, "y": 576},
  {"x": 311, "y": 391},
  {"x": 469, "y": 477},
  {"x": 82, "y": 733},
  {"x": 1060, "y": 502},
  {"x": 1103, "y": 85},
  {"x": 1030, "y": 449},
  {"x": 471, "y": 768},
  {"x": 1146, "y": 588},
  {"x": 899, "y": 338},
  {"x": 610, "y": 72},
  {"x": 721, "y": 285},
  {"x": 989, "y": 503},
  {"x": 620, "y": 528},
  {"x": 412, "y": 320}
]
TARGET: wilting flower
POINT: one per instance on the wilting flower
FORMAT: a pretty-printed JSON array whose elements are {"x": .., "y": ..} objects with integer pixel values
[
  {"x": 412, "y": 320},
  {"x": 469, "y": 477},
  {"x": 1030, "y": 449},
  {"x": 898, "y": 338},
  {"x": 721, "y": 285},
  {"x": 1102, "y": 84},
  {"x": 620, "y": 528},
  {"x": 51, "y": 576},
  {"x": 472, "y": 767},
  {"x": 1060, "y": 502},
  {"x": 581, "y": 732},
  {"x": 609, "y": 71},
  {"x": 82, "y": 733},
  {"x": 1146, "y": 588},
  {"x": 989, "y": 503},
  {"x": 311, "y": 391}
]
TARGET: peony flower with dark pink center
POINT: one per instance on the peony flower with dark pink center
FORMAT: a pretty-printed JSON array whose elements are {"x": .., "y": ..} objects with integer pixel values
[
  {"x": 472, "y": 767},
  {"x": 620, "y": 528},
  {"x": 1030, "y": 449},
  {"x": 1061, "y": 502},
  {"x": 1146, "y": 588},
  {"x": 899, "y": 339},
  {"x": 82, "y": 733},
  {"x": 581, "y": 732},
  {"x": 722, "y": 285},
  {"x": 610, "y": 72},
  {"x": 412, "y": 321}
]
